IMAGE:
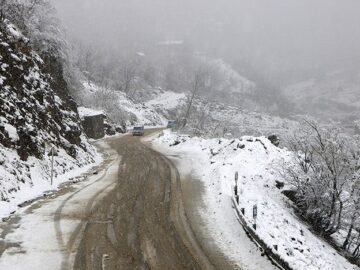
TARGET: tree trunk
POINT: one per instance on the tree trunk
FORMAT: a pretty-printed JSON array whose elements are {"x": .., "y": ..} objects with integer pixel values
[{"x": 347, "y": 240}]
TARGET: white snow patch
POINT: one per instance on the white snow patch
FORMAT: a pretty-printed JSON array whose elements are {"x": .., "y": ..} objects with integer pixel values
[
  {"x": 167, "y": 100},
  {"x": 11, "y": 130},
  {"x": 15, "y": 57},
  {"x": 83, "y": 111}
]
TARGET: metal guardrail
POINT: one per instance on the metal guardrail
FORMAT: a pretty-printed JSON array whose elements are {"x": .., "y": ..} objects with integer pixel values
[{"x": 275, "y": 258}]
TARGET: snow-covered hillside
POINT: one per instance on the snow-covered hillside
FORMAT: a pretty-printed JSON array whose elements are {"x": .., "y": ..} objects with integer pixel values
[
  {"x": 214, "y": 119},
  {"x": 155, "y": 106},
  {"x": 333, "y": 97},
  {"x": 154, "y": 109},
  {"x": 257, "y": 161},
  {"x": 33, "y": 118},
  {"x": 229, "y": 80}
]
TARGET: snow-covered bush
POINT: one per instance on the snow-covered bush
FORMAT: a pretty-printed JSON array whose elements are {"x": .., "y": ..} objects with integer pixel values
[
  {"x": 36, "y": 19},
  {"x": 325, "y": 176}
]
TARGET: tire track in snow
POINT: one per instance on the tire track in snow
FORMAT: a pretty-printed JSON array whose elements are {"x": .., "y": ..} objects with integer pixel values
[{"x": 67, "y": 248}]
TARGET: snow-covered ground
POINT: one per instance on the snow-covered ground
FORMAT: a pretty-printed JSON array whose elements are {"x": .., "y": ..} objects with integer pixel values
[
  {"x": 215, "y": 162},
  {"x": 45, "y": 235},
  {"x": 35, "y": 175}
]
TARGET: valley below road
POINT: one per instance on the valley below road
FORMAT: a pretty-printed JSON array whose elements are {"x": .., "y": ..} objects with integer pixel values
[{"x": 130, "y": 214}]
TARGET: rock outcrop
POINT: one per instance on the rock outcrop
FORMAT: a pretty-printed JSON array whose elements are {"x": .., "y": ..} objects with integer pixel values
[
  {"x": 37, "y": 114},
  {"x": 32, "y": 113}
]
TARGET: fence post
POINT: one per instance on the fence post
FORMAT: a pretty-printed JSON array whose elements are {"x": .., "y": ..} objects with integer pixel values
[
  {"x": 254, "y": 215},
  {"x": 236, "y": 182}
]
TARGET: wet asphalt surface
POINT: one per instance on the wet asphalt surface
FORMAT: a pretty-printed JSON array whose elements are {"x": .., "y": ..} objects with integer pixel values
[{"x": 141, "y": 224}]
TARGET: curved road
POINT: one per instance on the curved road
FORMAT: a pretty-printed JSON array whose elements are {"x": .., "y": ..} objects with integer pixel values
[
  {"x": 141, "y": 224},
  {"x": 128, "y": 215}
]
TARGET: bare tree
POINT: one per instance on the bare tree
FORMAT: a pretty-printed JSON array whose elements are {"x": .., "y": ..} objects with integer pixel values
[
  {"x": 324, "y": 170},
  {"x": 197, "y": 84},
  {"x": 128, "y": 76}
]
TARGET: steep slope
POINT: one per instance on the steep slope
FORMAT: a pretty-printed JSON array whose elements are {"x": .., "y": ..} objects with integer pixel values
[
  {"x": 215, "y": 119},
  {"x": 153, "y": 108},
  {"x": 214, "y": 163},
  {"x": 336, "y": 97},
  {"x": 33, "y": 118}
]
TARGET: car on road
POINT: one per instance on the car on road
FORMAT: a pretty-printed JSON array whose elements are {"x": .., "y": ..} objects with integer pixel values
[
  {"x": 171, "y": 124},
  {"x": 138, "y": 131}
]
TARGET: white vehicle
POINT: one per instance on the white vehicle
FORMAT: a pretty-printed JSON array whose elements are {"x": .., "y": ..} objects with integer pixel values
[{"x": 138, "y": 131}]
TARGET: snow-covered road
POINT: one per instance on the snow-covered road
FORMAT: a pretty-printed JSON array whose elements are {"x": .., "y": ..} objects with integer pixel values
[{"x": 45, "y": 235}]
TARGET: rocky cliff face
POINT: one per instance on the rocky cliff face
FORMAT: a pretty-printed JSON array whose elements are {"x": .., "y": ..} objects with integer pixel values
[
  {"x": 36, "y": 112},
  {"x": 32, "y": 114}
]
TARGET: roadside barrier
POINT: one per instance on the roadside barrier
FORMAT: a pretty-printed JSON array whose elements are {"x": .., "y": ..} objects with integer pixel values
[{"x": 250, "y": 229}]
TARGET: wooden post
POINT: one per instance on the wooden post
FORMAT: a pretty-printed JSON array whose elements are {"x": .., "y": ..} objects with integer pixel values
[
  {"x": 254, "y": 215},
  {"x": 236, "y": 187}
]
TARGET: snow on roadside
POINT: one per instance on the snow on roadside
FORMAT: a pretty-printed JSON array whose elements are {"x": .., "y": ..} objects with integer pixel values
[
  {"x": 215, "y": 162},
  {"x": 38, "y": 241},
  {"x": 22, "y": 181}
]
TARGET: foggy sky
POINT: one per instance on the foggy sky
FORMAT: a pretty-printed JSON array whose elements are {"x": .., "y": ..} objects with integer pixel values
[{"x": 278, "y": 36}]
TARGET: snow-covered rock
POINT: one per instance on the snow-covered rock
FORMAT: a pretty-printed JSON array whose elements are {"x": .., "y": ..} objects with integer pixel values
[{"x": 33, "y": 118}]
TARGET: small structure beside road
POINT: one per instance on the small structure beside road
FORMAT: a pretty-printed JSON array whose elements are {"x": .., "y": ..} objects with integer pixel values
[{"x": 92, "y": 122}]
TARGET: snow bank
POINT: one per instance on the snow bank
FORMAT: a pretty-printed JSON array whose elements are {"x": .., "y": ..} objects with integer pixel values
[
  {"x": 256, "y": 160},
  {"x": 22, "y": 181}
]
